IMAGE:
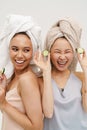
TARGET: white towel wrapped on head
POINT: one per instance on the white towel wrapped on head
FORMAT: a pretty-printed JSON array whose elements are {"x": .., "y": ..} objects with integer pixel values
[{"x": 16, "y": 24}]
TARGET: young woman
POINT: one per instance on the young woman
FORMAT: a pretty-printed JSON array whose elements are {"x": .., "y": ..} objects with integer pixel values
[
  {"x": 68, "y": 109},
  {"x": 20, "y": 100}
]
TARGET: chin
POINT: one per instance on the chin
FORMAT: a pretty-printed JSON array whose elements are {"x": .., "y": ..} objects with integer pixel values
[
  {"x": 19, "y": 67},
  {"x": 61, "y": 68}
]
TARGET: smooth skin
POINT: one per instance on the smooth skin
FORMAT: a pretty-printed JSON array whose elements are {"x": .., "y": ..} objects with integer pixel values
[
  {"x": 57, "y": 66},
  {"x": 24, "y": 79}
]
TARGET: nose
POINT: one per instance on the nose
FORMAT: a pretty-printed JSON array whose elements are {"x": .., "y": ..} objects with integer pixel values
[
  {"x": 19, "y": 54},
  {"x": 62, "y": 56}
]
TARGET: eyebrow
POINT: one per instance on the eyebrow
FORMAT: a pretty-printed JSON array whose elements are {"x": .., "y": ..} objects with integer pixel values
[
  {"x": 24, "y": 47},
  {"x": 63, "y": 50},
  {"x": 60, "y": 50}
]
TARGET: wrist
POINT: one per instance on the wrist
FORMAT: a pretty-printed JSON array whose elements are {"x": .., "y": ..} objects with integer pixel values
[
  {"x": 47, "y": 73},
  {"x": 4, "y": 105}
]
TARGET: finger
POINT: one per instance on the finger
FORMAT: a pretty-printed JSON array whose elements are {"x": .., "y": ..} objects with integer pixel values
[
  {"x": 49, "y": 57},
  {"x": 39, "y": 56},
  {"x": 84, "y": 53},
  {"x": 79, "y": 56},
  {"x": 35, "y": 57},
  {"x": 1, "y": 78}
]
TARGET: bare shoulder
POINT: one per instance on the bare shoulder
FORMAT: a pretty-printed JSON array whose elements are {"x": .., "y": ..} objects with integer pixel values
[
  {"x": 80, "y": 75},
  {"x": 28, "y": 80},
  {"x": 29, "y": 75}
]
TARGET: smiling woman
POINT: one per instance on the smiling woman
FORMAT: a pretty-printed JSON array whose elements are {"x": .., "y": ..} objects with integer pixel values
[
  {"x": 61, "y": 54},
  {"x": 19, "y": 96},
  {"x": 69, "y": 89},
  {"x": 62, "y": 41},
  {"x": 21, "y": 51}
]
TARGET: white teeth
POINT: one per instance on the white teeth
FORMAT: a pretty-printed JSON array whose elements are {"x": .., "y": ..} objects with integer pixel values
[
  {"x": 19, "y": 62},
  {"x": 62, "y": 63}
]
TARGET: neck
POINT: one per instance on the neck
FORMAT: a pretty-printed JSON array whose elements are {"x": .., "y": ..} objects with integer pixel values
[
  {"x": 61, "y": 77},
  {"x": 60, "y": 73},
  {"x": 20, "y": 72}
]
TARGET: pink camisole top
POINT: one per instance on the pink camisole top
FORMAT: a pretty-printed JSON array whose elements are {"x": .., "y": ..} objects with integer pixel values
[{"x": 13, "y": 98}]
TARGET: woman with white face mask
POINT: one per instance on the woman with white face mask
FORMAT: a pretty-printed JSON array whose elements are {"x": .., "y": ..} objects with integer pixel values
[{"x": 67, "y": 108}]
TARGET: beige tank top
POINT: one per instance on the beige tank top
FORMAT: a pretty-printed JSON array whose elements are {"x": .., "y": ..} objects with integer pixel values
[{"x": 14, "y": 99}]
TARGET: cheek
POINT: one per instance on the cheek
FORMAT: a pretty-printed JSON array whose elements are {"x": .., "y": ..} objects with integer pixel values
[
  {"x": 29, "y": 56},
  {"x": 70, "y": 56},
  {"x": 11, "y": 54},
  {"x": 53, "y": 58}
]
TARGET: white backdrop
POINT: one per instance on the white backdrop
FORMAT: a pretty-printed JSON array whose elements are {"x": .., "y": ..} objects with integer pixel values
[{"x": 46, "y": 12}]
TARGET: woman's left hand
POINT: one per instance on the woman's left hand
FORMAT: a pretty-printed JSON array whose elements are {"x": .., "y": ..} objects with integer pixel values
[
  {"x": 3, "y": 81},
  {"x": 83, "y": 60}
]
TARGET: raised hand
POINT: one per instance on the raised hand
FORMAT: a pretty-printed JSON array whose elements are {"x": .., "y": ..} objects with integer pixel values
[
  {"x": 43, "y": 62},
  {"x": 3, "y": 80},
  {"x": 3, "y": 83},
  {"x": 82, "y": 60}
]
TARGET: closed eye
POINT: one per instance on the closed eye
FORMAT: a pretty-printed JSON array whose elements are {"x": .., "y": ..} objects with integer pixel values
[
  {"x": 68, "y": 51},
  {"x": 57, "y": 51}
]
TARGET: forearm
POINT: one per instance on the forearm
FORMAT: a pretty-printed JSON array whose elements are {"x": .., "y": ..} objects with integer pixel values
[
  {"x": 18, "y": 117},
  {"x": 85, "y": 79},
  {"x": 47, "y": 95},
  {"x": 84, "y": 92}
]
